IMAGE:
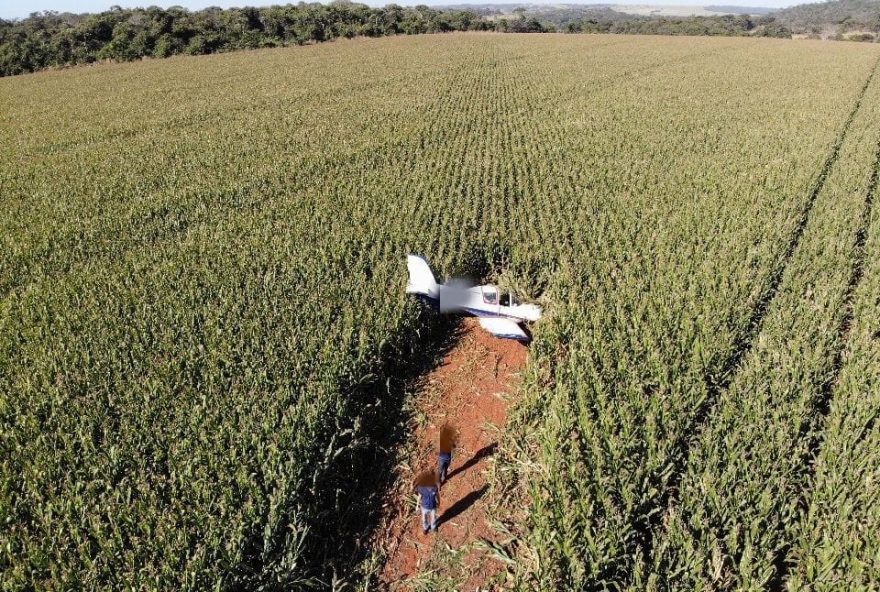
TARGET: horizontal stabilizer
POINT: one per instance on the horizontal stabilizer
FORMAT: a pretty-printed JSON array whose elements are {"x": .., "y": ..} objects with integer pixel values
[{"x": 503, "y": 328}]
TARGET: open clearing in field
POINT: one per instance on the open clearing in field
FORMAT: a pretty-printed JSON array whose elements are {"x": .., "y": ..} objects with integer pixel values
[
  {"x": 206, "y": 354},
  {"x": 472, "y": 389}
]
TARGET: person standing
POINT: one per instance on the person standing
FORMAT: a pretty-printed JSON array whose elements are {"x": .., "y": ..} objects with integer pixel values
[
  {"x": 447, "y": 443},
  {"x": 429, "y": 500}
]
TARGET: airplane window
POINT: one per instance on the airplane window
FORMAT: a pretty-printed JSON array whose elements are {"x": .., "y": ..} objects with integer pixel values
[
  {"x": 490, "y": 296},
  {"x": 505, "y": 300}
]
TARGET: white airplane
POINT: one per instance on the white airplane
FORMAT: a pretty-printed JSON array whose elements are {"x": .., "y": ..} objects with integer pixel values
[{"x": 501, "y": 320}]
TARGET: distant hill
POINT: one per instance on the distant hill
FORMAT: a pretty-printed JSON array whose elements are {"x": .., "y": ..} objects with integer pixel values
[
  {"x": 849, "y": 14},
  {"x": 734, "y": 9},
  {"x": 838, "y": 19},
  {"x": 559, "y": 15},
  {"x": 683, "y": 10}
]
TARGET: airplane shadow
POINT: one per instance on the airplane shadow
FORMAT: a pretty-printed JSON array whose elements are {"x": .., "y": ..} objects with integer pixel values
[
  {"x": 463, "y": 504},
  {"x": 482, "y": 453}
]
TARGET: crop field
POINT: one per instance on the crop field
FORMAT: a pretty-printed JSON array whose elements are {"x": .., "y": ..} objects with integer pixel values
[{"x": 204, "y": 336}]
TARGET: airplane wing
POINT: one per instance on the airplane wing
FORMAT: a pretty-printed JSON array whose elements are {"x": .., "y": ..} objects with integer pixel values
[{"x": 504, "y": 328}]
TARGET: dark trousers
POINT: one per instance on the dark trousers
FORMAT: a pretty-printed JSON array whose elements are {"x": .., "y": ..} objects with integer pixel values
[{"x": 445, "y": 459}]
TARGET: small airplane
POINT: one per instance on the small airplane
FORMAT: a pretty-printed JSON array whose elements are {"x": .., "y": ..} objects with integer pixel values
[{"x": 499, "y": 317}]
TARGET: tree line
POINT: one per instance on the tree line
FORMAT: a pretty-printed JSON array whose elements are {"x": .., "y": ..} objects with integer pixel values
[
  {"x": 725, "y": 25},
  {"x": 51, "y": 39}
]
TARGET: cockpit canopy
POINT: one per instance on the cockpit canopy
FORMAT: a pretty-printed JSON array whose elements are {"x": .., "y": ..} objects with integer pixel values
[{"x": 490, "y": 295}]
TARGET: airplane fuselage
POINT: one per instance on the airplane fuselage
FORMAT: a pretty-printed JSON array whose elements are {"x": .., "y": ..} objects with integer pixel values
[{"x": 485, "y": 302}]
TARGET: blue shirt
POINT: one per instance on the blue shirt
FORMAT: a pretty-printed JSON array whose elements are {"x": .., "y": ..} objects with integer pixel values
[{"x": 428, "y": 496}]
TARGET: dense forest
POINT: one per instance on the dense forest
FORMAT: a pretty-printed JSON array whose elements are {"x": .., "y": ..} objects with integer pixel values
[{"x": 51, "y": 39}]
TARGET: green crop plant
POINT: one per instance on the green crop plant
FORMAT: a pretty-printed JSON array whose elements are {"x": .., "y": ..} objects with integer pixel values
[
  {"x": 836, "y": 545},
  {"x": 204, "y": 341},
  {"x": 747, "y": 469}
]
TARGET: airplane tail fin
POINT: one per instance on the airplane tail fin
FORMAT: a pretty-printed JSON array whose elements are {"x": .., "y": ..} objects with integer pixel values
[{"x": 421, "y": 279}]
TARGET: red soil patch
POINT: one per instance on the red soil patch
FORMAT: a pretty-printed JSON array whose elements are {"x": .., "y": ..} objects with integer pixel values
[{"x": 470, "y": 390}]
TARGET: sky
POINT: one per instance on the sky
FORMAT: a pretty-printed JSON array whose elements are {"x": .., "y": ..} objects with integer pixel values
[{"x": 10, "y": 9}]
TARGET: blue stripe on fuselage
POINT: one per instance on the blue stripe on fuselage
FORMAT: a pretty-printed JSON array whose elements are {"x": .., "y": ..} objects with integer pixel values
[
  {"x": 428, "y": 299},
  {"x": 476, "y": 312},
  {"x": 510, "y": 336},
  {"x": 485, "y": 313}
]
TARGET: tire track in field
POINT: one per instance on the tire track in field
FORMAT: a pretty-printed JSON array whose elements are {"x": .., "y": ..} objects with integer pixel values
[
  {"x": 745, "y": 344},
  {"x": 747, "y": 340},
  {"x": 826, "y": 394},
  {"x": 858, "y": 271},
  {"x": 543, "y": 141}
]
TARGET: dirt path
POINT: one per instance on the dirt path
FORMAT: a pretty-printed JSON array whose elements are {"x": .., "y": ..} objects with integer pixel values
[{"x": 471, "y": 390}]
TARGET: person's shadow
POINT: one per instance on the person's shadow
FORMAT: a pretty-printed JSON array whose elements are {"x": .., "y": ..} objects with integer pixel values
[
  {"x": 482, "y": 453},
  {"x": 462, "y": 504}
]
